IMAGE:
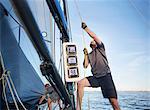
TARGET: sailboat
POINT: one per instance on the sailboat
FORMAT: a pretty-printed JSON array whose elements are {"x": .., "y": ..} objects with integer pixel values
[{"x": 20, "y": 83}]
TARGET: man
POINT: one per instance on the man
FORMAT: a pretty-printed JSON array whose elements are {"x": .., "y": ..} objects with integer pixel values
[
  {"x": 51, "y": 96},
  {"x": 100, "y": 70},
  {"x": 46, "y": 97}
]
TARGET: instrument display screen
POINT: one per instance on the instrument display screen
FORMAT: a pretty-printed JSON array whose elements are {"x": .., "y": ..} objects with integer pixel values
[
  {"x": 71, "y": 60},
  {"x": 71, "y": 49},
  {"x": 73, "y": 72}
]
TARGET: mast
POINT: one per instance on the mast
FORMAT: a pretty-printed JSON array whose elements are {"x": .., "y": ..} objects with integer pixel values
[{"x": 61, "y": 20}]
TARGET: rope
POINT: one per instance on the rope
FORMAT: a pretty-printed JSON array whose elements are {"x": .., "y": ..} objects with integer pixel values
[
  {"x": 83, "y": 38},
  {"x": 11, "y": 91},
  {"x": 1, "y": 61},
  {"x": 3, "y": 77},
  {"x": 16, "y": 91},
  {"x": 3, "y": 81},
  {"x": 4, "y": 92},
  {"x": 78, "y": 10}
]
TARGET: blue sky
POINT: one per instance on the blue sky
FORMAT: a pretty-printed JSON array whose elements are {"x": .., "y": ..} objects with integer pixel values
[{"x": 123, "y": 26}]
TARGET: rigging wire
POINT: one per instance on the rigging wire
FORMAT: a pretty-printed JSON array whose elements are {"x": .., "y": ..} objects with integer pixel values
[
  {"x": 77, "y": 7},
  {"x": 15, "y": 20},
  {"x": 138, "y": 11},
  {"x": 19, "y": 25},
  {"x": 61, "y": 54},
  {"x": 51, "y": 36},
  {"x": 44, "y": 16},
  {"x": 54, "y": 41},
  {"x": 60, "y": 61},
  {"x": 36, "y": 13}
]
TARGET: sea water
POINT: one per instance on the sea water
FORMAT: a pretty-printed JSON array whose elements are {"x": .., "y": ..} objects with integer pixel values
[{"x": 128, "y": 100}]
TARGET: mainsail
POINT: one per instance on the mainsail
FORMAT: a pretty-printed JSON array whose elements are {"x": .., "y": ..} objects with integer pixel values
[
  {"x": 25, "y": 78},
  {"x": 28, "y": 84}
]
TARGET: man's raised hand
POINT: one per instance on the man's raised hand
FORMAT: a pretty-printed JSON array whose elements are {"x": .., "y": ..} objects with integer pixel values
[
  {"x": 83, "y": 25},
  {"x": 85, "y": 51}
]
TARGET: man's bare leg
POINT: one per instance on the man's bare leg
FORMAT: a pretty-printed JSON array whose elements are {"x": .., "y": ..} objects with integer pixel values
[
  {"x": 114, "y": 103},
  {"x": 80, "y": 91},
  {"x": 49, "y": 101}
]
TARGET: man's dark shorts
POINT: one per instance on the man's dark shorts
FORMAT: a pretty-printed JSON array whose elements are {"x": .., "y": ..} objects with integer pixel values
[{"x": 106, "y": 83}]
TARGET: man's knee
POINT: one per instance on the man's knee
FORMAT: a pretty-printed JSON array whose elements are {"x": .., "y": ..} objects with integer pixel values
[
  {"x": 113, "y": 101},
  {"x": 81, "y": 83}
]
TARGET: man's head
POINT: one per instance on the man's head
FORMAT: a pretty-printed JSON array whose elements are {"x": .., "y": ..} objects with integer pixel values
[
  {"x": 93, "y": 44},
  {"x": 47, "y": 86}
]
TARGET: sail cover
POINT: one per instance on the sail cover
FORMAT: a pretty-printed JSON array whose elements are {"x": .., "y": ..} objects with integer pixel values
[{"x": 27, "y": 82}]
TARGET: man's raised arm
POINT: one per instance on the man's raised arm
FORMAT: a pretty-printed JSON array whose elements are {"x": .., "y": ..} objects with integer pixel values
[{"x": 91, "y": 34}]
